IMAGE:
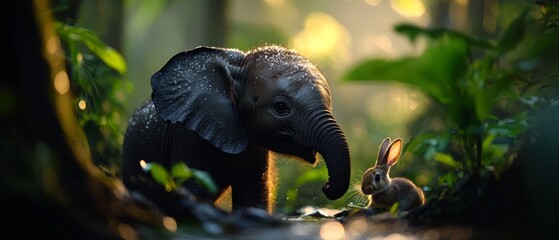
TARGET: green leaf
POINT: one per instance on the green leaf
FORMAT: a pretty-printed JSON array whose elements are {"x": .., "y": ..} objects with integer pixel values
[
  {"x": 394, "y": 209},
  {"x": 449, "y": 178},
  {"x": 508, "y": 127},
  {"x": 159, "y": 173},
  {"x": 413, "y": 31},
  {"x": 543, "y": 49},
  {"x": 513, "y": 34},
  {"x": 107, "y": 54},
  {"x": 484, "y": 85},
  {"x": 316, "y": 174},
  {"x": 427, "y": 144},
  {"x": 488, "y": 141},
  {"x": 205, "y": 180},
  {"x": 400, "y": 71},
  {"x": 181, "y": 171},
  {"x": 446, "y": 159},
  {"x": 435, "y": 71}
]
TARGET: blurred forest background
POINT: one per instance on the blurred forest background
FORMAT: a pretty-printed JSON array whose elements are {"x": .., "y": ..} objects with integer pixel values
[
  {"x": 335, "y": 35},
  {"x": 471, "y": 87}
]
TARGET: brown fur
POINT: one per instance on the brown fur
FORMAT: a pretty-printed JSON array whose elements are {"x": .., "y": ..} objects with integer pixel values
[
  {"x": 385, "y": 192},
  {"x": 271, "y": 179}
]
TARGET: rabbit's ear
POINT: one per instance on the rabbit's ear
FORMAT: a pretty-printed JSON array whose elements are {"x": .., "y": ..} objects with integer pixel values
[
  {"x": 394, "y": 152},
  {"x": 382, "y": 151}
]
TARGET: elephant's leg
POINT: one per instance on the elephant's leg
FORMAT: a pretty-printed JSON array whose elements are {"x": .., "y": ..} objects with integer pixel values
[
  {"x": 189, "y": 148},
  {"x": 252, "y": 184}
]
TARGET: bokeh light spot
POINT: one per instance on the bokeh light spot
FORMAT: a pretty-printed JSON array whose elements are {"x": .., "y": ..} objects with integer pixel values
[
  {"x": 394, "y": 106},
  {"x": 408, "y": 8},
  {"x": 398, "y": 236},
  {"x": 61, "y": 82},
  {"x": 170, "y": 224},
  {"x": 79, "y": 57},
  {"x": 332, "y": 231},
  {"x": 143, "y": 164},
  {"x": 323, "y": 37},
  {"x": 383, "y": 42},
  {"x": 82, "y": 104},
  {"x": 357, "y": 226},
  {"x": 127, "y": 232},
  {"x": 52, "y": 45},
  {"x": 373, "y": 2},
  {"x": 274, "y": 3},
  {"x": 462, "y": 2}
]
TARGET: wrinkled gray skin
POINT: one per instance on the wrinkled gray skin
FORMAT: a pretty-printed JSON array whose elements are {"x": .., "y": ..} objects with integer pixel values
[{"x": 222, "y": 111}]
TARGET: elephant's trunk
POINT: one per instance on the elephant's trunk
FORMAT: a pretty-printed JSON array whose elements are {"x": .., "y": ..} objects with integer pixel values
[{"x": 326, "y": 136}]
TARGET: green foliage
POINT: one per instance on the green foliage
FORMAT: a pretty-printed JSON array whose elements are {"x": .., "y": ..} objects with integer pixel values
[
  {"x": 412, "y": 32},
  {"x": 179, "y": 174},
  {"x": 394, "y": 209},
  {"x": 96, "y": 78},
  {"x": 486, "y": 87},
  {"x": 319, "y": 174},
  {"x": 108, "y": 55},
  {"x": 446, "y": 159}
]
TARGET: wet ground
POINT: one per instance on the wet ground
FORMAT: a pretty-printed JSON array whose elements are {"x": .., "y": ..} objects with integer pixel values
[{"x": 331, "y": 224}]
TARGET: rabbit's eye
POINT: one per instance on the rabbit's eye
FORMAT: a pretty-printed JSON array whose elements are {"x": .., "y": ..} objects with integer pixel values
[{"x": 377, "y": 177}]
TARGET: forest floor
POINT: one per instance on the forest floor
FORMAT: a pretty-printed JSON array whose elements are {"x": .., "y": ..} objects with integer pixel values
[
  {"x": 321, "y": 223},
  {"x": 486, "y": 209}
]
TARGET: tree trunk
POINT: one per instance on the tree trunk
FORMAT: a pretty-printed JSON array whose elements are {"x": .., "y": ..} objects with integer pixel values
[{"x": 48, "y": 182}]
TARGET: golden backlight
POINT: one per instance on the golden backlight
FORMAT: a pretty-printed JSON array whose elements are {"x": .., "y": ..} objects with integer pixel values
[
  {"x": 408, "y": 8},
  {"x": 323, "y": 37}
]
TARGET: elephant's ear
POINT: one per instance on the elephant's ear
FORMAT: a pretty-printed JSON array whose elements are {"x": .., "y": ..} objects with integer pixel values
[{"x": 195, "y": 88}]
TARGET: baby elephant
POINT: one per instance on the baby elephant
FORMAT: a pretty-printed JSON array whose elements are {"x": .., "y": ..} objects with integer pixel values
[
  {"x": 224, "y": 111},
  {"x": 385, "y": 191}
]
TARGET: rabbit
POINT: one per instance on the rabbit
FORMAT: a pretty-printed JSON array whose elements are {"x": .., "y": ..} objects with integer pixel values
[{"x": 385, "y": 192}]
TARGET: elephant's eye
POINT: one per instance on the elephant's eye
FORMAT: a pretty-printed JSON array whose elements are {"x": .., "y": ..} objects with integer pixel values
[{"x": 281, "y": 108}]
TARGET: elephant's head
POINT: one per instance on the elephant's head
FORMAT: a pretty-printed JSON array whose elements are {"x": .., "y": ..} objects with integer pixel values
[{"x": 271, "y": 96}]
